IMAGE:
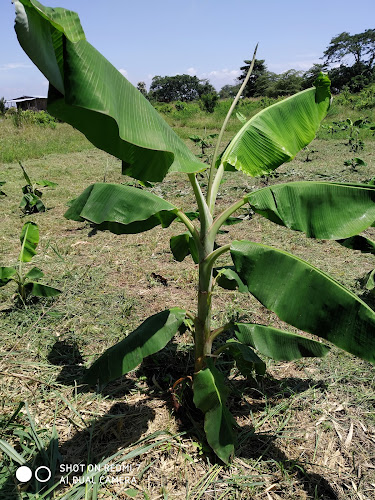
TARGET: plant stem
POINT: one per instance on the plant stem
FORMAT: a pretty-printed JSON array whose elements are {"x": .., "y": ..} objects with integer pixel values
[
  {"x": 218, "y": 331},
  {"x": 204, "y": 213},
  {"x": 211, "y": 195},
  {"x": 193, "y": 230},
  {"x": 221, "y": 218}
]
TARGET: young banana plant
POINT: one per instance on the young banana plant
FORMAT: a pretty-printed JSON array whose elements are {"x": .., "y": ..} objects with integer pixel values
[
  {"x": 27, "y": 284},
  {"x": 89, "y": 93}
]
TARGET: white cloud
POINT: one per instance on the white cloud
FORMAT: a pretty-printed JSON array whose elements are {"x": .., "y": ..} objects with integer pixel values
[
  {"x": 191, "y": 71},
  {"x": 10, "y": 66},
  {"x": 123, "y": 72},
  {"x": 219, "y": 78},
  {"x": 302, "y": 63}
]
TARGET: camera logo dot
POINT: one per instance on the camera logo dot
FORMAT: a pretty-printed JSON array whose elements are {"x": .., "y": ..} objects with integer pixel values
[
  {"x": 42, "y": 474},
  {"x": 23, "y": 474}
]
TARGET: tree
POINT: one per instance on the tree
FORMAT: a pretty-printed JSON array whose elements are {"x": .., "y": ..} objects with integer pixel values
[
  {"x": 361, "y": 46},
  {"x": 288, "y": 83},
  {"x": 2, "y": 105},
  {"x": 309, "y": 76},
  {"x": 258, "y": 70},
  {"x": 141, "y": 86},
  {"x": 179, "y": 88},
  {"x": 229, "y": 91}
]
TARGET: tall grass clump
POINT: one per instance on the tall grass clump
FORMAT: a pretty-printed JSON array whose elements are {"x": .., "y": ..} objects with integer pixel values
[{"x": 35, "y": 138}]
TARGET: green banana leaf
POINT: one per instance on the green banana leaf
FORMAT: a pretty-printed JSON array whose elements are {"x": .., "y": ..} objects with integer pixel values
[
  {"x": 246, "y": 360},
  {"x": 34, "y": 274},
  {"x": 276, "y": 134},
  {"x": 305, "y": 297},
  {"x": 210, "y": 396},
  {"x": 31, "y": 202},
  {"x": 278, "y": 344},
  {"x": 319, "y": 209},
  {"x": 182, "y": 245},
  {"x": 6, "y": 274},
  {"x": 39, "y": 290},
  {"x": 89, "y": 93},
  {"x": 2, "y": 193},
  {"x": 370, "y": 280},
  {"x": 121, "y": 209},
  {"x": 227, "y": 278},
  {"x": 29, "y": 241},
  {"x": 150, "y": 337},
  {"x": 365, "y": 245}
]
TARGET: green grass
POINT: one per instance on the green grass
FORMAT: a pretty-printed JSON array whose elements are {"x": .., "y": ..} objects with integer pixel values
[
  {"x": 295, "y": 425},
  {"x": 36, "y": 141}
]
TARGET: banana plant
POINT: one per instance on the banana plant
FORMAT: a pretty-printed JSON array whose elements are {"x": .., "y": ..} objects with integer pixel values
[
  {"x": 27, "y": 283},
  {"x": 89, "y": 93},
  {"x": 31, "y": 200}
]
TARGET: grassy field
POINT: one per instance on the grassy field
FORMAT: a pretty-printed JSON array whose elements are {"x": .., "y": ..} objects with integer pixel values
[{"x": 306, "y": 431}]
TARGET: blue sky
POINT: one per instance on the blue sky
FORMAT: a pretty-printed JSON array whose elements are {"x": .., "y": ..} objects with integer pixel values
[{"x": 206, "y": 38}]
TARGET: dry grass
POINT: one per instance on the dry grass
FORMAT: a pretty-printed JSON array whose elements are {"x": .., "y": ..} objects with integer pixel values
[{"x": 306, "y": 431}]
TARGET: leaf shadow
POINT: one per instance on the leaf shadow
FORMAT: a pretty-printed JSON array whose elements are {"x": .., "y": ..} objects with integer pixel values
[{"x": 119, "y": 428}]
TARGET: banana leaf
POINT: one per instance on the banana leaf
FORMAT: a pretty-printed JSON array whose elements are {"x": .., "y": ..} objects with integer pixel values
[
  {"x": 150, "y": 337},
  {"x": 121, "y": 209},
  {"x": 305, "y": 297},
  {"x": 29, "y": 241},
  {"x": 210, "y": 396},
  {"x": 92, "y": 95},
  {"x": 319, "y": 209},
  {"x": 278, "y": 344},
  {"x": 6, "y": 274},
  {"x": 276, "y": 134}
]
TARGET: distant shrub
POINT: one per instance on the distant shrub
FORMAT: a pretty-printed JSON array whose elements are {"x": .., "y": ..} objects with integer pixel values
[
  {"x": 208, "y": 102},
  {"x": 30, "y": 117},
  {"x": 361, "y": 100},
  {"x": 180, "y": 106},
  {"x": 163, "y": 108},
  {"x": 2, "y": 105}
]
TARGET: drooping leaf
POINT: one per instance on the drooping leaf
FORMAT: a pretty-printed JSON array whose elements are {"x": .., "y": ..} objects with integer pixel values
[
  {"x": 276, "y": 134},
  {"x": 231, "y": 221},
  {"x": 150, "y": 337},
  {"x": 227, "y": 278},
  {"x": 31, "y": 203},
  {"x": 34, "y": 274},
  {"x": 305, "y": 297},
  {"x": 210, "y": 396},
  {"x": 92, "y": 95},
  {"x": 45, "y": 183},
  {"x": 319, "y": 209},
  {"x": 29, "y": 241},
  {"x": 278, "y": 344},
  {"x": 242, "y": 118},
  {"x": 246, "y": 360},
  {"x": 370, "y": 280},
  {"x": 6, "y": 274},
  {"x": 39, "y": 290},
  {"x": 365, "y": 245},
  {"x": 121, "y": 209},
  {"x": 182, "y": 245}
]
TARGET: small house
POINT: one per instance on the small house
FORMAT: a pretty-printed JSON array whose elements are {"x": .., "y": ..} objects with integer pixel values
[{"x": 35, "y": 103}]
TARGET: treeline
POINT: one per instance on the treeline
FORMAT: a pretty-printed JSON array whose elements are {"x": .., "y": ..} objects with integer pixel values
[{"x": 358, "y": 49}]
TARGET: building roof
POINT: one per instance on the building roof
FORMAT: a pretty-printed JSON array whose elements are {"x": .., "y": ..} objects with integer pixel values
[{"x": 26, "y": 98}]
